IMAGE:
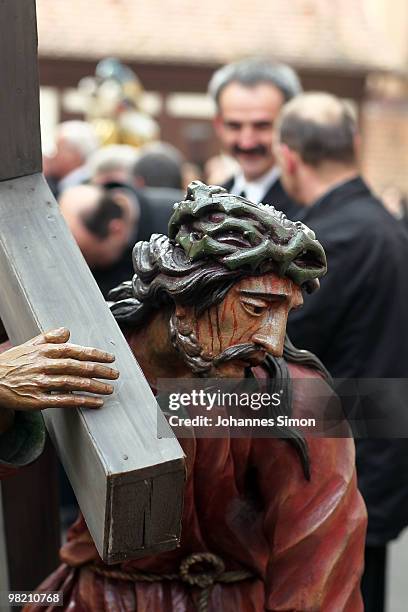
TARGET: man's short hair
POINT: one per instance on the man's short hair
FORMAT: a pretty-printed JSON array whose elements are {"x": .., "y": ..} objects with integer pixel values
[
  {"x": 81, "y": 135},
  {"x": 159, "y": 164},
  {"x": 319, "y": 127},
  {"x": 111, "y": 158},
  {"x": 251, "y": 72}
]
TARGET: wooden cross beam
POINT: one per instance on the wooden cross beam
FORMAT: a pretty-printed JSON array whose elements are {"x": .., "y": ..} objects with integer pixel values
[
  {"x": 129, "y": 483},
  {"x": 4, "y": 575}
]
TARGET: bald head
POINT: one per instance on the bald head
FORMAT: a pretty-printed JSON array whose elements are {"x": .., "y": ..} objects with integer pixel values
[
  {"x": 319, "y": 127},
  {"x": 75, "y": 142},
  {"x": 78, "y": 200},
  {"x": 98, "y": 222}
]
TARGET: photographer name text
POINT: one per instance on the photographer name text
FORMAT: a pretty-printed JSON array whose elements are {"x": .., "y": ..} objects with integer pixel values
[{"x": 231, "y": 421}]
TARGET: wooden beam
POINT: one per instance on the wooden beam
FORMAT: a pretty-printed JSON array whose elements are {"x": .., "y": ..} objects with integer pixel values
[
  {"x": 20, "y": 141},
  {"x": 31, "y": 518},
  {"x": 4, "y": 576},
  {"x": 129, "y": 483}
]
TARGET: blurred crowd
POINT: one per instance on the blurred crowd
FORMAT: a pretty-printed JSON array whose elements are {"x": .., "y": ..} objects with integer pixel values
[
  {"x": 299, "y": 152},
  {"x": 112, "y": 196}
]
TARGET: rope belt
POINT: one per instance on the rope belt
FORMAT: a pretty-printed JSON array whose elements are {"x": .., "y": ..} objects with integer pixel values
[{"x": 199, "y": 577}]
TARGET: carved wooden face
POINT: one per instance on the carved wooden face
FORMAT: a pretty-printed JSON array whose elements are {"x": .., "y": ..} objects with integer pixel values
[{"x": 252, "y": 316}]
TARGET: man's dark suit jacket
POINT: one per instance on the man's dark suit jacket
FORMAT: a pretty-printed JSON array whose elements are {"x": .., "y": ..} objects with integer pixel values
[
  {"x": 275, "y": 196},
  {"x": 357, "y": 324}
]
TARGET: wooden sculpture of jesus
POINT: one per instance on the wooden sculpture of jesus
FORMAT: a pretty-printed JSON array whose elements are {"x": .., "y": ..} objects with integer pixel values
[{"x": 272, "y": 524}]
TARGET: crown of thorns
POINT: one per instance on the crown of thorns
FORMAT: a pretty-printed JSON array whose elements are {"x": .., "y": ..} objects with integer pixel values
[{"x": 211, "y": 223}]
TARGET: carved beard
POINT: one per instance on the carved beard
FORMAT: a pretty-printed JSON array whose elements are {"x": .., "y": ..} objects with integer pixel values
[{"x": 197, "y": 358}]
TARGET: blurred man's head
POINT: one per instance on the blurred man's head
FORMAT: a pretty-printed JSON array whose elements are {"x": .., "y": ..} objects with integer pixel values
[
  {"x": 315, "y": 145},
  {"x": 98, "y": 220},
  {"x": 159, "y": 164},
  {"x": 249, "y": 95},
  {"x": 112, "y": 163},
  {"x": 75, "y": 142}
]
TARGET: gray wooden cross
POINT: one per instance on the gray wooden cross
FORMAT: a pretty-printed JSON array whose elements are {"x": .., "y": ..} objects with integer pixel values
[{"x": 129, "y": 483}]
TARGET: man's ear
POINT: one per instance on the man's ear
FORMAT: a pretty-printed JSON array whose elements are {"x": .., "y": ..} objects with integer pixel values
[
  {"x": 218, "y": 123},
  {"x": 357, "y": 146},
  {"x": 289, "y": 159},
  {"x": 139, "y": 182}
]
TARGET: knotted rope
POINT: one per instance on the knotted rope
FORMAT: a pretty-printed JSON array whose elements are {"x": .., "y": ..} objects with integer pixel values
[{"x": 204, "y": 579}]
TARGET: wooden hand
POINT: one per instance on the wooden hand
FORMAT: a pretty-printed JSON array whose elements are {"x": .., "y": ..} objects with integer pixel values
[{"x": 43, "y": 372}]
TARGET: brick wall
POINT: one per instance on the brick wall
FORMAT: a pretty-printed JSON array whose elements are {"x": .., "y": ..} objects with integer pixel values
[{"x": 384, "y": 126}]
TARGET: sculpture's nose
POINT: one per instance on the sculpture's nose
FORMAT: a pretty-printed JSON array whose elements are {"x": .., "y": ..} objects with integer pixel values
[{"x": 271, "y": 335}]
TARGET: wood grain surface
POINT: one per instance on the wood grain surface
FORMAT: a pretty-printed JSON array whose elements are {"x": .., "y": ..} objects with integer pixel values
[
  {"x": 20, "y": 140},
  {"x": 113, "y": 453}
]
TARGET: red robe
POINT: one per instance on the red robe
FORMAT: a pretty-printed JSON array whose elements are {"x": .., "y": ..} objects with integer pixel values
[{"x": 303, "y": 540}]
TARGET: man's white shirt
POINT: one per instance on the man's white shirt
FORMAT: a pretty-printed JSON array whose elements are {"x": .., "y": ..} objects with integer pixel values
[{"x": 255, "y": 190}]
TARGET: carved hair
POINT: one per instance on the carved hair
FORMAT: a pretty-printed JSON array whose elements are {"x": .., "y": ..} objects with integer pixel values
[
  {"x": 215, "y": 240},
  {"x": 163, "y": 274}
]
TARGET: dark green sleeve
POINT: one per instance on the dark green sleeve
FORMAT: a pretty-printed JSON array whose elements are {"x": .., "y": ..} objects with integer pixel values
[{"x": 24, "y": 441}]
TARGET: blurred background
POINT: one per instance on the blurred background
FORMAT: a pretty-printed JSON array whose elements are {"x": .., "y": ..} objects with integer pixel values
[
  {"x": 357, "y": 49},
  {"x": 168, "y": 51}
]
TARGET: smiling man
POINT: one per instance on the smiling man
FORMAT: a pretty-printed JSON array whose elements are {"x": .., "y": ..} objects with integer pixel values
[{"x": 249, "y": 96}]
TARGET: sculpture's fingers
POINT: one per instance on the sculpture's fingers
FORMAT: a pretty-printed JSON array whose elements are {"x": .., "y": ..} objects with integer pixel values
[
  {"x": 81, "y": 353},
  {"x": 88, "y": 369},
  {"x": 53, "y": 336},
  {"x": 68, "y": 400},
  {"x": 74, "y": 383}
]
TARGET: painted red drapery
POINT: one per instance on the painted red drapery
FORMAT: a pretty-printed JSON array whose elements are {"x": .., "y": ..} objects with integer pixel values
[{"x": 248, "y": 501}]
